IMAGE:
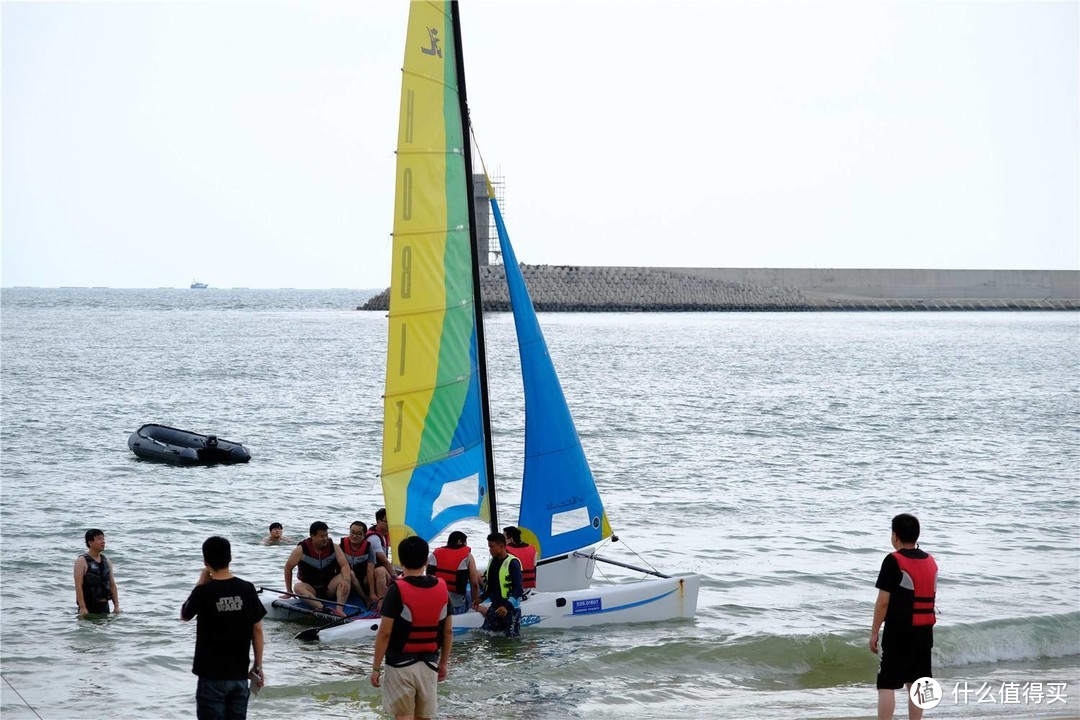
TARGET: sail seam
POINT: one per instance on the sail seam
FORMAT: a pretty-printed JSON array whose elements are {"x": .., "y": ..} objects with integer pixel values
[
  {"x": 427, "y": 388},
  {"x": 438, "y": 233},
  {"x": 428, "y": 461},
  {"x": 449, "y": 151},
  {"x": 432, "y": 310},
  {"x": 430, "y": 79}
]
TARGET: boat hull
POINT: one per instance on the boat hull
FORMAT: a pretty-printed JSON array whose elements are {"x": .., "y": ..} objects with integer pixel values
[
  {"x": 161, "y": 443},
  {"x": 641, "y": 602}
]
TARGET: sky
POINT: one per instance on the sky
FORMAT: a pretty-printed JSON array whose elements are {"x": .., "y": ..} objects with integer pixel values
[{"x": 251, "y": 144}]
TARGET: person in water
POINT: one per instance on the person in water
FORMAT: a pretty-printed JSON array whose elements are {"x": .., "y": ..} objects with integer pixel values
[
  {"x": 503, "y": 588},
  {"x": 907, "y": 585},
  {"x": 414, "y": 638},
  {"x": 455, "y": 565},
  {"x": 525, "y": 553},
  {"x": 275, "y": 537},
  {"x": 322, "y": 570},
  {"x": 229, "y": 626},
  {"x": 95, "y": 583}
]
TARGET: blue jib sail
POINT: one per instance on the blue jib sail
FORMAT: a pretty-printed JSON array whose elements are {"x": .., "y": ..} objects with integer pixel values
[{"x": 560, "y": 506}]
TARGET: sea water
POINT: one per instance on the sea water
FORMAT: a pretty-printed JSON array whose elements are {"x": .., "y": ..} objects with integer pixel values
[{"x": 767, "y": 452}]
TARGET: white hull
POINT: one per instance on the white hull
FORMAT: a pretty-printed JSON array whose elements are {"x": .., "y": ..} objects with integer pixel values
[{"x": 645, "y": 601}]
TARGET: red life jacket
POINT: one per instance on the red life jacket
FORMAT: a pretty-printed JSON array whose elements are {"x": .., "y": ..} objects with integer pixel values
[
  {"x": 919, "y": 576},
  {"x": 448, "y": 567},
  {"x": 316, "y": 568},
  {"x": 527, "y": 555},
  {"x": 356, "y": 555},
  {"x": 423, "y": 608}
]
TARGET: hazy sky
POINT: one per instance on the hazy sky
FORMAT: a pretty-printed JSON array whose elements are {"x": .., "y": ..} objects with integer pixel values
[{"x": 252, "y": 144}]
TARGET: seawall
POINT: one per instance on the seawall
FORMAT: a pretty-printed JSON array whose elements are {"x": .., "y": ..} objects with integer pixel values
[{"x": 643, "y": 289}]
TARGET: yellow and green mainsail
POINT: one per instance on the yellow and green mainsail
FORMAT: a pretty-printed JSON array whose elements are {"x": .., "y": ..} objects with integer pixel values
[{"x": 434, "y": 457}]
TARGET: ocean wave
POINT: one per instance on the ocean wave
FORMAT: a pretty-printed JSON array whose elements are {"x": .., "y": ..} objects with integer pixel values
[
  {"x": 1024, "y": 638},
  {"x": 831, "y": 659}
]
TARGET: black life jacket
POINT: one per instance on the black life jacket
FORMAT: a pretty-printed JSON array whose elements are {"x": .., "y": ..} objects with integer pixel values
[
  {"x": 96, "y": 583},
  {"x": 317, "y": 569}
]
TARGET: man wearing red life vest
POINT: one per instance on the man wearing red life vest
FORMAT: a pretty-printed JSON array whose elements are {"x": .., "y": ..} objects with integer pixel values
[
  {"x": 455, "y": 565},
  {"x": 368, "y": 580},
  {"x": 523, "y": 552},
  {"x": 414, "y": 638},
  {"x": 907, "y": 585}
]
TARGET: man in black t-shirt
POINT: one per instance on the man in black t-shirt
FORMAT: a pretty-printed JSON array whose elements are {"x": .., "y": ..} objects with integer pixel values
[
  {"x": 230, "y": 623},
  {"x": 907, "y": 585}
]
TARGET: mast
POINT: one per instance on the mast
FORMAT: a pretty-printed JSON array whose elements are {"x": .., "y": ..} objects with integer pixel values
[{"x": 478, "y": 304}]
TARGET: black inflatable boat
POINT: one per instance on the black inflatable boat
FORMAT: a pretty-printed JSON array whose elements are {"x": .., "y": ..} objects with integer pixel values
[{"x": 183, "y": 447}]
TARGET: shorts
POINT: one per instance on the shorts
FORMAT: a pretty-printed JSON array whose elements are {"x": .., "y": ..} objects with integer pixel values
[
  {"x": 410, "y": 690},
  {"x": 904, "y": 662}
]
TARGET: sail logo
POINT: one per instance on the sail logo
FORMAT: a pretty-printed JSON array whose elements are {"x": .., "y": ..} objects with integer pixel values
[{"x": 433, "y": 36}]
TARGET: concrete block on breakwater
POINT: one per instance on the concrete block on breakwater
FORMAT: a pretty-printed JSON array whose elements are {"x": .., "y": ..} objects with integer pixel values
[{"x": 572, "y": 288}]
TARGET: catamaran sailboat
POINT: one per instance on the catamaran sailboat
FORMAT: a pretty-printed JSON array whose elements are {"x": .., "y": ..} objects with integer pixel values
[{"x": 437, "y": 464}]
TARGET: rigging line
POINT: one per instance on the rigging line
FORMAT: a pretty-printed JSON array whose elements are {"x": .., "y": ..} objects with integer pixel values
[
  {"x": 22, "y": 698},
  {"x": 637, "y": 555},
  {"x": 483, "y": 165}
]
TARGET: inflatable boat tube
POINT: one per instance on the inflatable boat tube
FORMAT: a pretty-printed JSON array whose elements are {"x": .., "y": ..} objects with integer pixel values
[{"x": 183, "y": 447}]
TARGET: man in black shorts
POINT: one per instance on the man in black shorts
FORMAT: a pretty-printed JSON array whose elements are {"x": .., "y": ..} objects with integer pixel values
[{"x": 906, "y": 587}]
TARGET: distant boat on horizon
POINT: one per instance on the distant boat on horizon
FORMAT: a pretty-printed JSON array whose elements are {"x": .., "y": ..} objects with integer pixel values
[{"x": 196, "y": 285}]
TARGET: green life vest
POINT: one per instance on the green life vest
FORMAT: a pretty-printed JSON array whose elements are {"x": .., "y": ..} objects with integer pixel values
[{"x": 504, "y": 576}]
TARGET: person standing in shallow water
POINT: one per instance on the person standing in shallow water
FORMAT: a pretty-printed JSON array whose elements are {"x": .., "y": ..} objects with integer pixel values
[
  {"x": 230, "y": 624},
  {"x": 415, "y": 636},
  {"x": 503, "y": 587},
  {"x": 907, "y": 586},
  {"x": 95, "y": 584}
]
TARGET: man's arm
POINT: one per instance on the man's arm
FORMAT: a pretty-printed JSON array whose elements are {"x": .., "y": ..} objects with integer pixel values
[
  {"x": 293, "y": 561},
  {"x": 447, "y": 641},
  {"x": 112, "y": 589},
  {"x": 343, "y": 563},
  {"x": 517, "y": 582},
  {"x": 257, "y": 645},
  {"x": 382, "y": 641},
  {"x": 380, "y": 558},
  {"x": 474, "y": 581},
  {"x": 80, "y": 573},
  {"x": 880, "y": 607},
  {"x": 369, "y": 576},
  {"x": 188, "y": 609}
]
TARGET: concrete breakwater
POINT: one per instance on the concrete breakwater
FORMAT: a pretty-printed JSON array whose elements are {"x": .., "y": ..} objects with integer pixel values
[{"x": 572, "y": 288}]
